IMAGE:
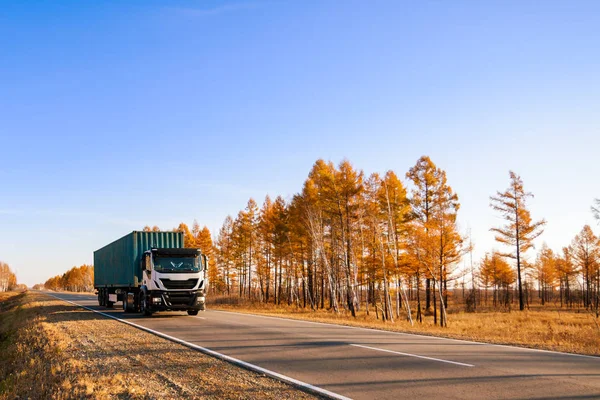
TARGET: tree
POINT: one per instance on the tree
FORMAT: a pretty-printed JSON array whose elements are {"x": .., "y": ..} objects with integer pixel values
[
  {"x": 188, "y": 238},
  {"x": 423, "y": 176},
  {"x": 348, "y": 186},
  {"x": 322, "y": 227},
  {"x": 585, "y": 251},
  {"x": 435, "y": 208},
  {"x": 205, "y": 244},
  {"x": 545, "y": 272},
  {"x": 8, "y": 279},
  {"x": 565, "y": 268},
  {"x": 225, "y": 253},
  {"x": 265, "y": 245},
  {"x": 520, "y": 231},
  {"x": 394, "y": 210}
]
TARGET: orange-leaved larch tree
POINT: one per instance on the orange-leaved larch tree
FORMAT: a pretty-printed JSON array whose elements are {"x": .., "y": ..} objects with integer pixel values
[
  {"x": 520, "y": 230},
  {"x": 437, "y": 244},
  {"x": 188, "y": 238},
  {"x": 495, "y": 270},
  {"x": 545, "y": 272},
  {"x": 567, "y": 272},
  {"x": 205, "y": 244},
  {"x": 585, "y": 251},
  {"x": 396, "y": 210},
  {"x": 225, "y": 254}
]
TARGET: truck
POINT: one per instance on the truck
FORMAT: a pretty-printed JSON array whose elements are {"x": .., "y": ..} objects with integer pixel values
[{"x": 150, "y": 272}]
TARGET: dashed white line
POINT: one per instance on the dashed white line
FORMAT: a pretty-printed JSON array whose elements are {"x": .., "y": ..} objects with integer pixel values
[{"x": 413, "y": 355}]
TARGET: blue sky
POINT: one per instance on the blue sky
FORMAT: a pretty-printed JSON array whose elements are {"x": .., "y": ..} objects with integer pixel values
[{"x": 116, "y": 114}]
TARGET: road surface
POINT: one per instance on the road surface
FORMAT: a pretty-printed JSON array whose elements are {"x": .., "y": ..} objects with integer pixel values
[{"x": 370, "y": 364}]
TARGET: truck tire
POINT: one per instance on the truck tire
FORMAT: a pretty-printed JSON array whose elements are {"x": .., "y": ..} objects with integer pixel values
[
  {"x": 192, "y": 312},
  {"x": 144, "y": 306},
  {"x": 125, "y": 309},
  {"x": 109, "y": 304},
  {"x": 101, "y": 297}
]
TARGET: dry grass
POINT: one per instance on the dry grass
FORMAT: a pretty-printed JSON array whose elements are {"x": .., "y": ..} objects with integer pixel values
[
  {"x": 566, "y": 331},
  {"x": 53, "y": 350}
]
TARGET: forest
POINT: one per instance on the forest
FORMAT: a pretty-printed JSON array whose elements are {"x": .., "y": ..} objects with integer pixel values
[{"x": 348, "y": 241}]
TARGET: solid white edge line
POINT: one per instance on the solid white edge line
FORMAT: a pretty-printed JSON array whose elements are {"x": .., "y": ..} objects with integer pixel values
[
  {"x": 255, "y": 368},
  {"x": 413, "y": 355},
  {"x": 412, "y": 334}
]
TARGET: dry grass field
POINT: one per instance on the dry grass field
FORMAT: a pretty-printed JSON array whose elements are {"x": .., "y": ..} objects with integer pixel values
[
  {"x": 573, "y": 331},
  {"x": 53, "y": 350}
]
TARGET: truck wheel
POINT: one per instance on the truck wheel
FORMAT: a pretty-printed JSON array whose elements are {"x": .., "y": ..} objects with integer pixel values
[
  {"x": 109, "y": 304},
  {"x": 143, "y": 306},
  {"x": 100, "y": 297},
  {"x": 125, "y": 309},
  {"x": 192, "y": 312}
]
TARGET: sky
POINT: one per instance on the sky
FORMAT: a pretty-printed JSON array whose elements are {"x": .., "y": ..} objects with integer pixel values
[{"x": 119, "y": 114}]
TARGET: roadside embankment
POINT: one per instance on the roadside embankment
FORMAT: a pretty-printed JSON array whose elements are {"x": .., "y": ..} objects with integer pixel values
[{"x": 54, "y": 350}]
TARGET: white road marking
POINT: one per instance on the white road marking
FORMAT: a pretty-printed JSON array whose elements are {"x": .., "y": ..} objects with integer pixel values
[
  {"x": 412, "y": 355},
  {"x": 294, "y": 382}
]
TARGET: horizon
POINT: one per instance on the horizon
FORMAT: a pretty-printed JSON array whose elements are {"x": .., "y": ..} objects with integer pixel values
[{"x": 117, "y": 115}]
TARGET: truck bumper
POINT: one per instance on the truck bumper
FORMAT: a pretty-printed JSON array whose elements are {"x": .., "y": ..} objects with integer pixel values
[{"x": 176, "y": 300}]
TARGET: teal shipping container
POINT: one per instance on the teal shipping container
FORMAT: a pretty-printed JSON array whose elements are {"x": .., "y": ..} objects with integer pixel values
[{"x": 119, "y": 263}]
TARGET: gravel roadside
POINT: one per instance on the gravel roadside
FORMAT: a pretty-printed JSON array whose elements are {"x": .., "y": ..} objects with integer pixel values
[{"x": 81, "y": 354}]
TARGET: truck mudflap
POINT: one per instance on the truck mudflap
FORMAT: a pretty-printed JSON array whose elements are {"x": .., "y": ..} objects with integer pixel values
[{"x": 176, "y": 300}]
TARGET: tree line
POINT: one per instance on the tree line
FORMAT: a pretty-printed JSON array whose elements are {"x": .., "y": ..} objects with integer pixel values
[
  {"x": 350, "y": 241},
  {"x": 77, "y": 279}
]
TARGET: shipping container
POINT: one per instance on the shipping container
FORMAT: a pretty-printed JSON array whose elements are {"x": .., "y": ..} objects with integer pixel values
[{"x": 118, "y": 264}]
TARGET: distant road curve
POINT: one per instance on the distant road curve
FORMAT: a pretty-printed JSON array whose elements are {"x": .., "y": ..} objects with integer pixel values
[{"x": 346, "y": 362}]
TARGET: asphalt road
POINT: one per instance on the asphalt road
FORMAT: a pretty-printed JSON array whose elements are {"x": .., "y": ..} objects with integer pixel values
[{"x": 370, "y": 364}]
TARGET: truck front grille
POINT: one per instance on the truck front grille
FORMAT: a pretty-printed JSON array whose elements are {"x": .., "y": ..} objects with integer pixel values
[
  {"x": 179, "y": 298},
  {"x": 171, "y": 284}
]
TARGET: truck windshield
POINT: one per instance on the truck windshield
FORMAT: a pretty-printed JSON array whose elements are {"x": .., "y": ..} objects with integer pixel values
[{"x": 176, "y": 264}]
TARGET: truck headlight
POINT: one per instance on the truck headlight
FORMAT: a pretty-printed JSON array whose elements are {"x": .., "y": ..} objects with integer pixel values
[
  {"x": 200, "y": 299},
  {"x": 156, "y": 299}
]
